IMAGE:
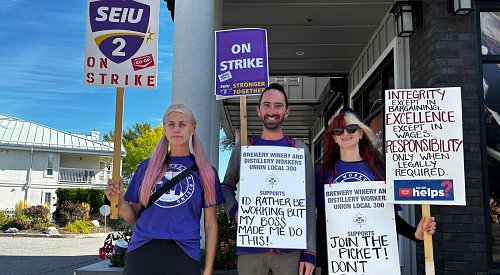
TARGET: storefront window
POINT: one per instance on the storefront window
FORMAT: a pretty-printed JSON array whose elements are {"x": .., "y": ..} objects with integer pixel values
[
  {"x": 369, "y": 102},
  {"x": 490, "y": 49}
]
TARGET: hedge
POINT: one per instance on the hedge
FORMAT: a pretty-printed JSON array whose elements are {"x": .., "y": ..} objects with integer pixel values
[{"x": 94, "y": 197}]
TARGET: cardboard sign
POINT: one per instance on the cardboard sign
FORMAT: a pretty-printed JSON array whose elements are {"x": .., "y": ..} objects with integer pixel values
[
  {"x": 272, "y": 198},
  {"x": 424, "y": 146},
  {"x": 241, "y": 66},
  {"x": 121, "y": 48},
  {"x": 361, "y": 230}
]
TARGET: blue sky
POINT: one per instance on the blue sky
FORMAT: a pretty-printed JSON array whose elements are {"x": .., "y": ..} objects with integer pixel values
[{"x": 41, "y": 70}]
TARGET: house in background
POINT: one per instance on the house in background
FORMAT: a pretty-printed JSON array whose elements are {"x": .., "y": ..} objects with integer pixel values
[{"x": 36, "y": 160}]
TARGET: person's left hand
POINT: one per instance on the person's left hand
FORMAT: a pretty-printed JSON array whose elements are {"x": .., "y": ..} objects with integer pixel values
[
  {"x": 306, "y": 268},
  {"x": 429, "y": 228}
]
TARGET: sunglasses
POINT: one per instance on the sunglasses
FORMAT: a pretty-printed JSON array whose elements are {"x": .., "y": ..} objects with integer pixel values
[{"x": 351, "y": 128}]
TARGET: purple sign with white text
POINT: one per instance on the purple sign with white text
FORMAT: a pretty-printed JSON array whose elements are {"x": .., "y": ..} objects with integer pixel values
[{"x": 241, "y": 66}]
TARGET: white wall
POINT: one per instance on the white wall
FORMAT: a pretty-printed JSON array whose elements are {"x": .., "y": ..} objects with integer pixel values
[
  {"x": 10, "y": 195},
  {"x": 15, "y": 169},
  {"x": 14, "y": 165},
  {"x": 82, "y": 161}
]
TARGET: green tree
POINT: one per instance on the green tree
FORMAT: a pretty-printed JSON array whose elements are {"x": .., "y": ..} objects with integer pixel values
[
  {"x": 225, "y": 143},
  {"x": 139, "y": 142}
]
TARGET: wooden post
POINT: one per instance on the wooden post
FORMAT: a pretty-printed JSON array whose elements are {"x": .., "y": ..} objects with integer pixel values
[
  {"x": 117, "y": 149},
  {"x": 243, "y": 121},
  {"x": 428, "y": 250}
]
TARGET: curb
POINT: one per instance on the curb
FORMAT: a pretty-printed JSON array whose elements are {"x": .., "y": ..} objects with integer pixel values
[{"x": 42, "y": 235}]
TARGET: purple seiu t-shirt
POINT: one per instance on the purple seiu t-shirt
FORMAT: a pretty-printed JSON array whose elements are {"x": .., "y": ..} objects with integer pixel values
[{"x": 176, "y": 214}]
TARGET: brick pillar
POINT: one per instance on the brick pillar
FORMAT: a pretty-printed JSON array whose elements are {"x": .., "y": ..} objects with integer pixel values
[{"x": 445, "y": 53}]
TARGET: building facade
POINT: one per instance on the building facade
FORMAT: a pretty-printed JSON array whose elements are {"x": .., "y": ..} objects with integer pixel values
[
  {"x": 36, "y": 160},
  {"x": 445, "y": 50}
]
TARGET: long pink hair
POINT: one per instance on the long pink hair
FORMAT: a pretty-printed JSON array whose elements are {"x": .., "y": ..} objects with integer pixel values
[{"x": 158, "y": 162}]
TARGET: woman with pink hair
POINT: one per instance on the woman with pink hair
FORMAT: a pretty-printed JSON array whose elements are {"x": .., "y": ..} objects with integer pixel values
[{"x": 166, "y": 236}]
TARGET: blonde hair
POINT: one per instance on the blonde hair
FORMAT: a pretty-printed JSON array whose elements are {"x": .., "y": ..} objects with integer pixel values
[
  {"x": 158, "y": 162},
  {"x": 351, "y": 118}
]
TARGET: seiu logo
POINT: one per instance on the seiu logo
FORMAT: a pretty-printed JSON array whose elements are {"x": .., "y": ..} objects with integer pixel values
[{"x": 119, "y": 15}]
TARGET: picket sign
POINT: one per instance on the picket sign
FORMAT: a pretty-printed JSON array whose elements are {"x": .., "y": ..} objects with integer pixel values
[
  {"x": 243, "y": 121},
  {"x": 428, "y": 249},
  {"x": 117, "y": 147},
  {"x": 424, "y": 151}
]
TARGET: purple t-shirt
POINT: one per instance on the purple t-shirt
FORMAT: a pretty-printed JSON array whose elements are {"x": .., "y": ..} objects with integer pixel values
[{"x": 176, "y": 214}]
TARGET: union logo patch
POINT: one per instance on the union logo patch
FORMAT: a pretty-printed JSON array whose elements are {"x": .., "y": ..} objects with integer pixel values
[
  {"x": 351, "y": 176},
  {"x": 180, "y": 193}
]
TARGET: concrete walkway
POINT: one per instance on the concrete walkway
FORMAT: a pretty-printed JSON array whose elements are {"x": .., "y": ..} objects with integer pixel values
[{"x": 55, "y": 255}]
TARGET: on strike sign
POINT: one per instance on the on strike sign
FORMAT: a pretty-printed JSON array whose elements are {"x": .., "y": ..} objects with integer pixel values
[
  {"x": 424, "y": 146},
  {"x": 121, "y": 47},
  {"x": 241, "y": 62}
]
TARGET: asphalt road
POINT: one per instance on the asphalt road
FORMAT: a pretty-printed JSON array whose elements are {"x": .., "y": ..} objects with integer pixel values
[{"x": 54, "y": 256}]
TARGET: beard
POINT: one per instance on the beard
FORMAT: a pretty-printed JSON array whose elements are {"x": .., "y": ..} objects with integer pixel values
[{"x": 272, "y": 125}]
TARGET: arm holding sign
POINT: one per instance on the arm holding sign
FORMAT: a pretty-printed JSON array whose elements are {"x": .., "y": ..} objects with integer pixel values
[
  {"x": 127, "y": 210},
  {"x": 129, "y": 207},
  {"x": 231, "y": 178},
  {"x": 308, "y": 257},
  {"x": 412, "y": 233}
]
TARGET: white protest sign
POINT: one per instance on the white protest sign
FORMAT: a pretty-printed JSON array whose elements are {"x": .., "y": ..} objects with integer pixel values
[
  {"x": 121, "y": 47},
  {"x": 424, "y": 146},
  {"x": 360, "y": 227},
  {"x": 272, "y": 200}
]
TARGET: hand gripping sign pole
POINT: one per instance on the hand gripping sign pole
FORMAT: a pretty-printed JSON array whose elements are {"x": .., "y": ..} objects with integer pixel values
[{"x": 117, "y": 148}]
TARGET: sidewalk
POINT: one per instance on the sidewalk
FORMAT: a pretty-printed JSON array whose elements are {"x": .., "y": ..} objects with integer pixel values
[
  {"x": 28, "y": 254},
  {"x": 43, "y": 235}
]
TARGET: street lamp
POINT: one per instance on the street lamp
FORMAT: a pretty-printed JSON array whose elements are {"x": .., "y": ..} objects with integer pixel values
[
  {"x": 408, "y": 15},
  {"x": 460, "y": 7}
]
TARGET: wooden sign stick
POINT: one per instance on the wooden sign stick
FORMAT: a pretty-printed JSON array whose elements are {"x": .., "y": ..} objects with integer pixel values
[
  {"x": 243, "y": 121},
  {"x": 428, "y": 250},
  {"x": 117, "y": 149}
]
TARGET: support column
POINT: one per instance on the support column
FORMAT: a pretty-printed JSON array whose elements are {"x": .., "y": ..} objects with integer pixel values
[
  {"x": 215, "y": 131},
  {"x": 193, "y": 67}
]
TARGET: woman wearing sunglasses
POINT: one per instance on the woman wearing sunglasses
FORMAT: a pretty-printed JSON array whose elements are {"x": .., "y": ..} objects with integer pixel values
[{"x": 349, "y": 156}]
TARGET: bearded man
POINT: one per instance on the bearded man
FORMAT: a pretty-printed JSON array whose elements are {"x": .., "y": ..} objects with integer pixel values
[{"x": 273, "y": 109}]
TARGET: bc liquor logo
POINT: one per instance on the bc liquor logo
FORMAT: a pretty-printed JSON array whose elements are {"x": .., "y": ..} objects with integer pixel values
[{"x": 432, "y": 190}]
